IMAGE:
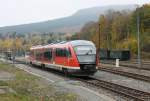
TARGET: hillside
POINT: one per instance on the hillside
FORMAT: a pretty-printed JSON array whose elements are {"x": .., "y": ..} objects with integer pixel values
[
  {"x": 118, "y": 31},
  {"x": 69, "y": 24}
]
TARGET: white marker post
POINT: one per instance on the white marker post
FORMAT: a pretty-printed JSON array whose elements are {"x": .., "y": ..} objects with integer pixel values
[{"x": 117, "y": 62}]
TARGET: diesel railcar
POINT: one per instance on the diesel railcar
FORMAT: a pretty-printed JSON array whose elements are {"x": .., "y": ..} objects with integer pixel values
[{"x": 78, "y": 57}]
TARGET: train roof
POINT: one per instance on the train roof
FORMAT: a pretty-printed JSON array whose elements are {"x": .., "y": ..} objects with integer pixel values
[
  {"x": 81, "y": 42},
  {"x": 73, "y": 43},
  {"x": 36, "y": 47}
]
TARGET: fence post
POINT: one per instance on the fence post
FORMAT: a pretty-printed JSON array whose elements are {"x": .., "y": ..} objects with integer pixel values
[{"x": 117, "y": 62}]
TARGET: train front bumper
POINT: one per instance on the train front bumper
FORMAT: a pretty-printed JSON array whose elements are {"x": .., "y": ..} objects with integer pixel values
[{"x": 79, "y": 72}]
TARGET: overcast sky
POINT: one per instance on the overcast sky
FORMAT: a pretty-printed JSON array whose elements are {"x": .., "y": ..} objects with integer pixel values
[{"x": 14, "y": 12}]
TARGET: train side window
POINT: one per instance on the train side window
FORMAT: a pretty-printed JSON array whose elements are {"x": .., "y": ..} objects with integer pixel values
[
  {"x": 63, "y": 52},
  {"x": 58, "y": 52},
  {"x": 34, "y": 53},
  {"x": 31, "y": 53},
  {"x": 48, "y": 54},
  {"x": 38, "y": 55},
  {"x": 68, "y": 52}
]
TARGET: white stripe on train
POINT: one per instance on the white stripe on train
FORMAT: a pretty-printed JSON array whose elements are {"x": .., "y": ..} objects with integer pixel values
[{"x": 54, "y": 66}]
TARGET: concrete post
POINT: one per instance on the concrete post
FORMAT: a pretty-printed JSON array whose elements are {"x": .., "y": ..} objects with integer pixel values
[{"x": 117, "y": 62}]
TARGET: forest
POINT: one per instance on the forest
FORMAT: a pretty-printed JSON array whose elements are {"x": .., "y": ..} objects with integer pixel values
[{"x": 118, "y": 30}]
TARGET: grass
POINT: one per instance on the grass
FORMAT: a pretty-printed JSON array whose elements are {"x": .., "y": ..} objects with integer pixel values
[
  {"x": 3, "y": 83},
  {"x": 27, "y": 87}
]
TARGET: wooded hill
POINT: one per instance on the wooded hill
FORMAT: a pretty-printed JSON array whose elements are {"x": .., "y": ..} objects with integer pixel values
[
  {"x": 118, "y": 30},
  {"x": 68, "y": 24}
]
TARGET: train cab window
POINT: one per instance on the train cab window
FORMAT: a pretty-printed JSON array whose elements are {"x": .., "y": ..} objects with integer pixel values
[
  {"x": 48, "y": 54},
  {"x": 85, "y": 50},
  {"x": 85, "y": 53}
]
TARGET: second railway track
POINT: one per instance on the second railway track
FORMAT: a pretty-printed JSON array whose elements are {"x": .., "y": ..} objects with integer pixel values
[
  {"x": 135, "y": 94},
  {"x": 128, "y": 74},
  {"x": 146, "y": 66}
]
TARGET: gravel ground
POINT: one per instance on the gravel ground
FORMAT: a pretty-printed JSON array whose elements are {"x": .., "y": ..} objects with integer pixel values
[
  {"x": 121, "y": 80},
  {"x": 75, "y": 86},
  {"x": 137, "y": 71},
  {"x": 128, "y": 69},
  {"x": 145, "y": 64},
  {"x": 97, "y": 94},
  {"x": 5, "y": 76},
  {"x": 66, "y": 84}
]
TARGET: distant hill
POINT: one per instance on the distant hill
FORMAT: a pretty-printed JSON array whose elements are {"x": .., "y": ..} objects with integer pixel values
[{"x": 67, "y": 24}]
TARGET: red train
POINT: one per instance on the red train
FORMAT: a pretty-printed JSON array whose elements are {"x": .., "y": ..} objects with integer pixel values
[{"x": 76, "y": 57}]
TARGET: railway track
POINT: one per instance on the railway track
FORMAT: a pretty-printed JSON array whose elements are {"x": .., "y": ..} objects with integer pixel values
[
  {"x": 128, "y": 74},
  {"x": 135, "y": 62},
  {"x": 135, "y": 94},
  {"x": 145, "y": 66},
  {"x": 131, "y": 62}
]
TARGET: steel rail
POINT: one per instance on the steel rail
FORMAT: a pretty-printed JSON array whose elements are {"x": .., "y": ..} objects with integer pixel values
[
  {"x": 135, "y": 94},
  {"x": 128, "y": 74},
  {"x": 129, "y": 65}
]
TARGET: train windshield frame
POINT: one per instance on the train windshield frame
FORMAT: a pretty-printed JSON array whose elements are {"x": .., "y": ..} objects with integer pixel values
[
  {"x": 86, "y": 54},
  {"x": 85, "y": 50}
]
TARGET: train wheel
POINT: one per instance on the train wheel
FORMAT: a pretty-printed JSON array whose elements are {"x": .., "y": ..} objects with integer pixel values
[
  {"x": 65, "y": 71},
  {"x": 43, "y": 66},
  {"x": 30, "y": 63}
]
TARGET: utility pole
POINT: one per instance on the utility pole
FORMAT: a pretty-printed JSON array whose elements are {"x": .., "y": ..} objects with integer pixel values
[
  {"x": 138, "y": 37},
  {"x": 14, "y": 46},
  {"x": 99, "y": 37},
  {"x": 98, "y": 50}
]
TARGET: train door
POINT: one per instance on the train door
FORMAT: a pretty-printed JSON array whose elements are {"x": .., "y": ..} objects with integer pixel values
[
  {"x": 53, "y": 56},
  {"x": 48, "y": 55},
  {"x": 67, "y": 56},
  {"x": 60, "y": 57},
  {"x": 65, "y": 59}
]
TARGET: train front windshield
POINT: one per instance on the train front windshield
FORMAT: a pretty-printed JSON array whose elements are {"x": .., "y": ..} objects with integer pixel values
[{"x": 86, "y": 54}]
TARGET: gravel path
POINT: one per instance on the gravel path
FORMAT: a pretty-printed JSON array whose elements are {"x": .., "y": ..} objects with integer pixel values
[
  {"x": 128, "y": 69},
  {"x": 73, "y": 86},
  {"x": 121, "y": 80}
]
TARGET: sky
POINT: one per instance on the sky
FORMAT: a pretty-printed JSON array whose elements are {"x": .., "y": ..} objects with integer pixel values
[{"x": 15, "y": 12}]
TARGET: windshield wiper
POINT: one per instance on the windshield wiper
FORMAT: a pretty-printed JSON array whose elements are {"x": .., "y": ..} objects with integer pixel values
[{"x": 88, "y": 52}]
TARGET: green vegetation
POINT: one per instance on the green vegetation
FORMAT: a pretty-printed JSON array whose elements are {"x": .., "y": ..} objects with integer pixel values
[
  {"x": 21, "y": 43},
  {"x": 26, "y": 87},
  {"x": 118, "y": 30}
]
